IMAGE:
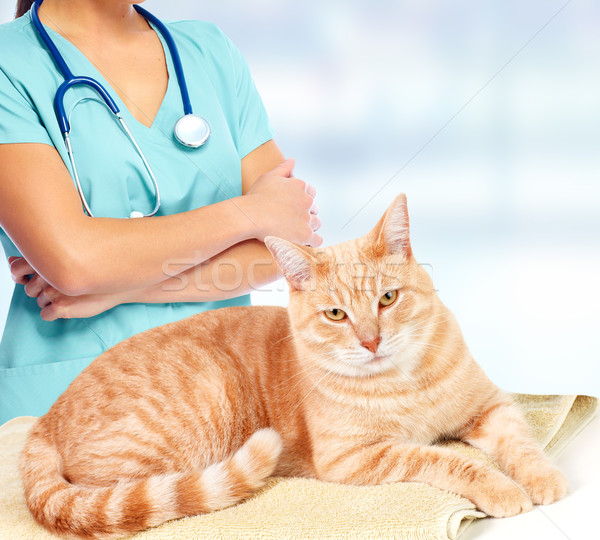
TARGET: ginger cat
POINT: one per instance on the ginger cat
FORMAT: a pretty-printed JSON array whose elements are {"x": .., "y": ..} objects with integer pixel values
[{"x": 353, "y": 382}]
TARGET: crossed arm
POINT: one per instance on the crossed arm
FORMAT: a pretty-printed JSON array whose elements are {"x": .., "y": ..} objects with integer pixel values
[
  {"x": 238, "y": 270},
  {"x": 82, "y": 266}
]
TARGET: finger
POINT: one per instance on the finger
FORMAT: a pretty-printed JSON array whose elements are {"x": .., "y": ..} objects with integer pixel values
[
  {"x": 59, "y": 308},
  {"x": 285, "y": 169},
  {"x": 311, "y": 190},
  {"x": 34, "y": 286},
  {"x": 20, "y": 269},
  {"x": 46, "y": 297},
  {"x": 315, "y": 223},
  {"x": 49, "y": 313},
  {"x": 314, "y": 209},
  {"x": 16, "y": 263},
  {"x": 43, "y": 299}
]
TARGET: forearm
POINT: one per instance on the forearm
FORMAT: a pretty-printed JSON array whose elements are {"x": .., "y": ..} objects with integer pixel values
[
  {"x": 80, "y": 256},
  {"x": 241, "y": 269},
  {"x": 122, "y": 255}
]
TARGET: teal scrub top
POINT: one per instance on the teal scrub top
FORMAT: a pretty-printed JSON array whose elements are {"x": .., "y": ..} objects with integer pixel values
[{"x": 39, "y": 359}]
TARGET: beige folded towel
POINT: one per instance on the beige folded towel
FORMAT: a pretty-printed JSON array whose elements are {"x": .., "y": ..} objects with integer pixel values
[{"x": 301, "y": 508}]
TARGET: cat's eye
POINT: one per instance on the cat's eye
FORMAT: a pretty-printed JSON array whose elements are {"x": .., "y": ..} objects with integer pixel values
[
  {"x": 335, "y": 314},
  {"x": 388, "y": 298}
]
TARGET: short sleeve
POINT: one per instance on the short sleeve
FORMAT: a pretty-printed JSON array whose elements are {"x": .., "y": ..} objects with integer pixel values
[
  {"x": 19, "y": 122},
  {"x": 253, "y": 123}
]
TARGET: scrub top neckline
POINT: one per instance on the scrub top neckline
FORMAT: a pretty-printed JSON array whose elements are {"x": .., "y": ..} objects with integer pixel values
[{"x": 102, "y": 80}]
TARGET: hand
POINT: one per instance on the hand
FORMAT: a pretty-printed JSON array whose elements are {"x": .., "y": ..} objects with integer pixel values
[
  {"x": 54, "y": 304},
  {"x": 284, "y": 206}
]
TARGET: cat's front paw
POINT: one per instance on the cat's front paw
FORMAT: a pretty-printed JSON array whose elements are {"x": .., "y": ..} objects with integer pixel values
[
  {"x": 544, "y": 484},
  {"x": 500, "y": 496}
]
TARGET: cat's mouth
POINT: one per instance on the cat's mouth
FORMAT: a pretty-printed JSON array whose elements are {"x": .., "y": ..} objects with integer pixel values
[
  {"x": 377, "y": 359},
  {"x": 360, "y": 363},
  {"x": 377, "y": 363}
]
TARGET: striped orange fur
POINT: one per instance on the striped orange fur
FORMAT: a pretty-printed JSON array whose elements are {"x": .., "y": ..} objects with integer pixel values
[{"x": 354, "y": 382}]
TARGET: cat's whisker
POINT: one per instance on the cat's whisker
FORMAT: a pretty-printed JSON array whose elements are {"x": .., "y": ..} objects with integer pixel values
[
  {"x": 393, "y": 340},
  {"x": 430, "y": 345},
  {"x": 289, "y": 336},
  {"x": 438, "y": 316},
  {"x": 307, "y": 369},
  {"x": 309, "y": 392},
  {"x": 298, "y": 382},
  {"x": 430, "y": 322},
  {"x": 351, "y": 354},
  {"x": 397, "y": 342},
  {"x": 402, "y": 369},
  {"x": 427, "y": 333}
]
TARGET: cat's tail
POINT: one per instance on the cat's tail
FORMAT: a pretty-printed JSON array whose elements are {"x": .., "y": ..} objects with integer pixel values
[{"x": 126, "y": 507}]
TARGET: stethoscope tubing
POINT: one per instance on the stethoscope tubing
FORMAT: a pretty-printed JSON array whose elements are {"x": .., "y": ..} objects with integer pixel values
[
  {"x": 72, "y": 80},
  {"x": 52, "y": 49},
  {"x": 185, "y": 96}
]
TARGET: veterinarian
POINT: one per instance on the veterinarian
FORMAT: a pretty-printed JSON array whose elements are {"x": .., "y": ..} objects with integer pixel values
[{"x": 90, "y": 271}]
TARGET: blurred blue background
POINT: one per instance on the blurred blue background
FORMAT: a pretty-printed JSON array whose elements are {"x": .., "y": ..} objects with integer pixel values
[{"x": 487, "y": 115}]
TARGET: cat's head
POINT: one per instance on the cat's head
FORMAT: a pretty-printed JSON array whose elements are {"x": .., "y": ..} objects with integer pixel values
[{"x": 355, "y": 307}]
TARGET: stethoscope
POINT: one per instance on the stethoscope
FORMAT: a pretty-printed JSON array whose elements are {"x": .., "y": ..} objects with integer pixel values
[{"x": 190, "y": 130}]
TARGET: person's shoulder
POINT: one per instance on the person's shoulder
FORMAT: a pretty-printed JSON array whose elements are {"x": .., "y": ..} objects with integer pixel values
[
  {"x": 193, "y": 27},
  {"x": 202, "y": 33},
  {"x": 17, "y": 32},
  {"x": 17, "y": 42}
]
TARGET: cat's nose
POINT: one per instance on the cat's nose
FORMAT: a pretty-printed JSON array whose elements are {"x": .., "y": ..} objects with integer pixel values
[{"x": 371, "y": 344}]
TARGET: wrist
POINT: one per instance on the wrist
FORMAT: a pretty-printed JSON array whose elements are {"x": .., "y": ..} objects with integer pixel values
[{"x": 249, "y": 218}]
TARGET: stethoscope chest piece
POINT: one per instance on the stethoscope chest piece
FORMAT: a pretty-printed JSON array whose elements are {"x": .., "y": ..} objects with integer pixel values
[{"x": 192, "y": 130}]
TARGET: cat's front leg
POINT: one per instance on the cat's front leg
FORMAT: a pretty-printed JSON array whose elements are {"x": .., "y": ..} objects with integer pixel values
[
  {"x": 490, "y": 490},
  {"x": 501, "y": 432}
]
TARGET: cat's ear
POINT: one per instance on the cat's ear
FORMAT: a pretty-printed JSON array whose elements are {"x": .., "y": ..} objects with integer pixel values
[
  {"x": 391, "y": 232},
  {"x": 295, "y": 261}
]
